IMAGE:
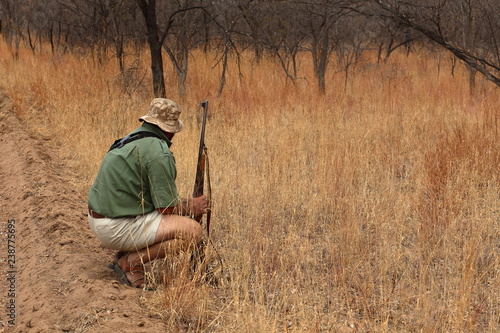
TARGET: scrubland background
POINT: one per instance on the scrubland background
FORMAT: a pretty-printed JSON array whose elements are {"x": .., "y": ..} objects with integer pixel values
[{"x": 374, "y": 208}]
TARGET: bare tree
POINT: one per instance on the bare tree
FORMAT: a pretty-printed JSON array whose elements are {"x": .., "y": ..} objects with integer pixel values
[
  {"x": 156, "y": 36},
  {"x": 15, "y": 18},
  {"x": 37, "y": 22},
  {"x": 121, "y": 16},
  {"x": 226, "y": 22},
  {"x": 319, "y": 19},
  {"x": 86, "y": 25},
  {"x": 282, "y": 35},
  {"x": 468, "y": 29},
  {"x": 351, "y": 43},
  {"x": 392, "y": 36},
  {"x": 252, "y": 12},
  {"x": 187, "y": 21}
]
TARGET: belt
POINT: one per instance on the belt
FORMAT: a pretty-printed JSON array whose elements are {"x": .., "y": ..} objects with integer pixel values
[{"x": 96, "y": 215}]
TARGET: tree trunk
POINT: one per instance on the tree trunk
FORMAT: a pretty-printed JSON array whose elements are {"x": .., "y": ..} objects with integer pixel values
[
  {"x": 51, "y": 38},
  {"x": 149, "y": 12},
  {"x": 30, "y": 40},
  {"x": 322, "y": 61}
]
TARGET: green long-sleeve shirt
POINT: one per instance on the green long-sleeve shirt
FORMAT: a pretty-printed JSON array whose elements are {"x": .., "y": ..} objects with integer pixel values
[{"x": 137, "y": 178}]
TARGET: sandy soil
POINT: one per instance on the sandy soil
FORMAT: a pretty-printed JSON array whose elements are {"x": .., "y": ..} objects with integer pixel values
[{"x": 62, "y": 283}]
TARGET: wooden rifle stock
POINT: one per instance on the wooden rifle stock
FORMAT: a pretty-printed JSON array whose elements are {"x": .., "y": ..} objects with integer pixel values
[{"x": 200, "y": 167}]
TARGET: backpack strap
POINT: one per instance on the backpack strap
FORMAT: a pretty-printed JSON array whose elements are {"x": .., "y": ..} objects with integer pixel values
[{"x": 132, "y": 137}]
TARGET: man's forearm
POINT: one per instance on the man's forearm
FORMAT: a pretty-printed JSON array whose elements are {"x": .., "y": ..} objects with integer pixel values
[
  {"x": 187, "y": 207},
  {"x": 184, "y": 208}
]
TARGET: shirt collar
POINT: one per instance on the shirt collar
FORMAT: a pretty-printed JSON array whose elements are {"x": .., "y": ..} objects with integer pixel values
[{"x": 156, "y": 130}]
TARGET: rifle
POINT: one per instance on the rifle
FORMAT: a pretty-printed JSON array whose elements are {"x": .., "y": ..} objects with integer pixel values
[{"x": 201, "y": 168}]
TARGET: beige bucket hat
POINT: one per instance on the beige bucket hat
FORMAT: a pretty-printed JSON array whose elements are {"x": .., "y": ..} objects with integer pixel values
[{"x": 164, "y": 113}]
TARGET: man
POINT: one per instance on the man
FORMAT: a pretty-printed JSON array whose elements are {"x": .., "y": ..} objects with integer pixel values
[{"x": 133, "y": 203}]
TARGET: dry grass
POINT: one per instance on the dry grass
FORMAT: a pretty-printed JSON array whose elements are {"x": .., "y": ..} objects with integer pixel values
[{"x": 376, "y": 210}]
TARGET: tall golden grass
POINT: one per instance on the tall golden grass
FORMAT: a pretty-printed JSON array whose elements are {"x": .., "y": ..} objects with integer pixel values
[{"x": 376, "y": 209}]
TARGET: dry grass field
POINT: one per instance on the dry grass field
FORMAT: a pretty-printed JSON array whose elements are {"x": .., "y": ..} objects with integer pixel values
[{"x": 376, "y": 209}]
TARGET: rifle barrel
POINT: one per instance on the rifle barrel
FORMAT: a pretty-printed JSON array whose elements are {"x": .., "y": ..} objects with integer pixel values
[{"x": 200, "y": 167}]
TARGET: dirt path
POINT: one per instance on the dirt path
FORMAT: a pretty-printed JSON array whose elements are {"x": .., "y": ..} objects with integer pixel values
[{"x": 62, "y": 283}]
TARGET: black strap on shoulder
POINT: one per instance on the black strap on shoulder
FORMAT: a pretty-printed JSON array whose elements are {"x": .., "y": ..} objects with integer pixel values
[{"x": 132, "y": 137}]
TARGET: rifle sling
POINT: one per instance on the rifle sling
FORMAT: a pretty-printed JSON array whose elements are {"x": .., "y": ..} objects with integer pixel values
[{"x": 132, "y": 137}]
